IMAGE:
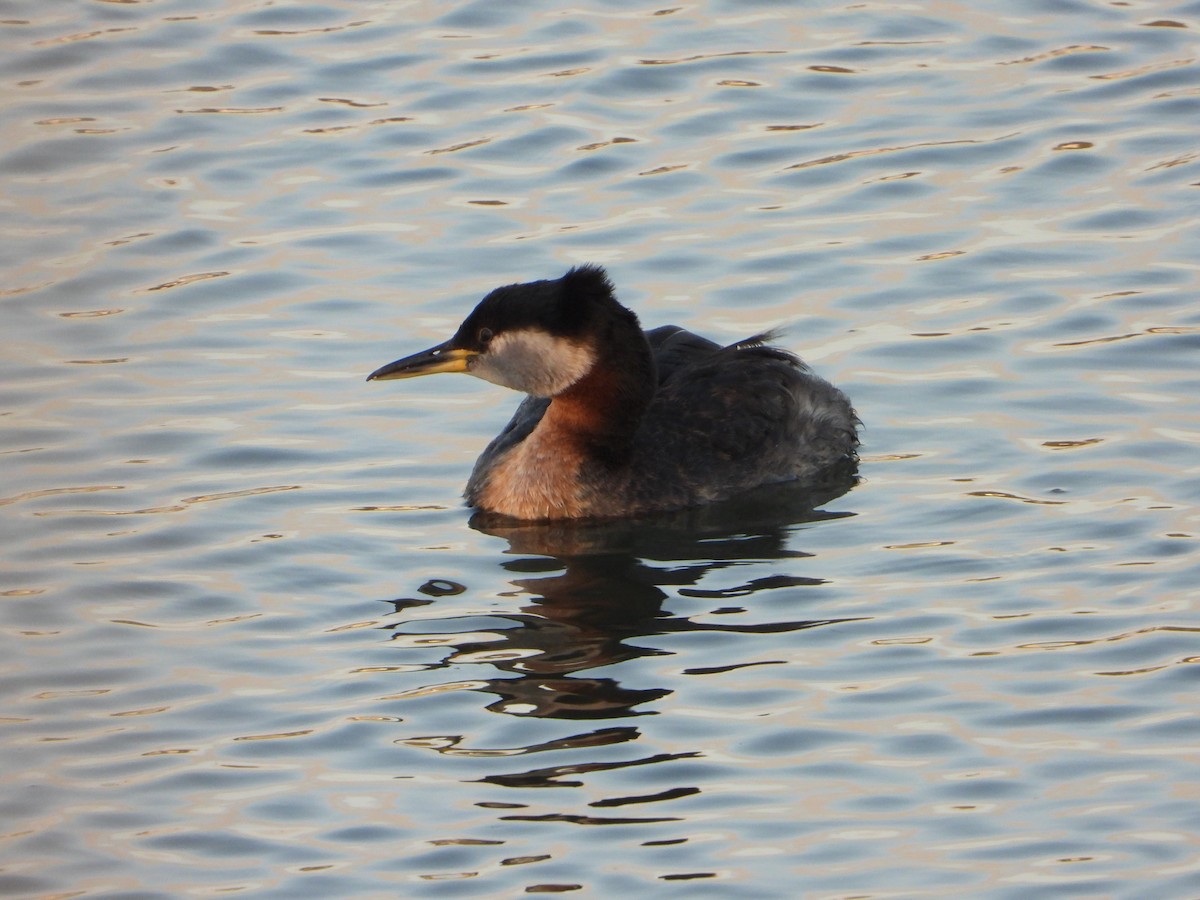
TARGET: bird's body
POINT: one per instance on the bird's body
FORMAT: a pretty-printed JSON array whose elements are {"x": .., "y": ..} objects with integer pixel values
[{"x": 620, "y": 421}]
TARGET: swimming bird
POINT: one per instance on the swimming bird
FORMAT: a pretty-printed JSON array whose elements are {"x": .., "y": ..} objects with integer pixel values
[{"x": 619, "y": 421}]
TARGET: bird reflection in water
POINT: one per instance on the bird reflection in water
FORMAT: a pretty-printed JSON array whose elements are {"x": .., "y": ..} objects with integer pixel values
[{"x": 595, "y": 593}]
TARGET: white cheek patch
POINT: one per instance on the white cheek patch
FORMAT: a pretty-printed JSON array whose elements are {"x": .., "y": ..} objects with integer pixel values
[{"x": 534, "y": 362}]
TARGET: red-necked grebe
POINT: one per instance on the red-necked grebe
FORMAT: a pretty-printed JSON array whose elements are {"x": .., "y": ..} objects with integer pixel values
[{"x": 619, "y": 421}]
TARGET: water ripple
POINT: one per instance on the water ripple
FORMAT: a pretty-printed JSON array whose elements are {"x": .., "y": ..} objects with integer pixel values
[{"x": 254, "y": 642}]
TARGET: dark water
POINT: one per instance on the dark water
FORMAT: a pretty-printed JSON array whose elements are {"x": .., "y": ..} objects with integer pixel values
[{"x": 253, "y": 645}]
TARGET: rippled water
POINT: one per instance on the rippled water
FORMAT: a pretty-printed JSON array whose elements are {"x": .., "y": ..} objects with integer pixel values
[{"x": 252, "y": 642}]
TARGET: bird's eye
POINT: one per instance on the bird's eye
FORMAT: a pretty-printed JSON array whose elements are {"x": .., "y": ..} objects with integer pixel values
[{"x": 485, "y": 335}]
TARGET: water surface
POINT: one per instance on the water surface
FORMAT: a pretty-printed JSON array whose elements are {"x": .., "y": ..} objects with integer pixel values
[{"x": 253, "y": 643}]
